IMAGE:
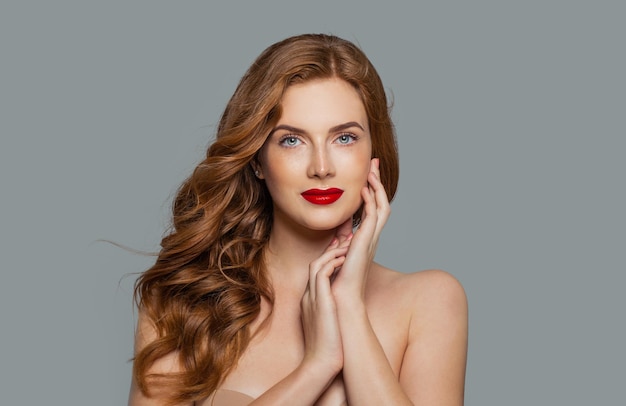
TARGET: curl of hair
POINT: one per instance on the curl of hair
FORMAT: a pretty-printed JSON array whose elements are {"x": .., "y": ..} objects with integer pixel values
[{"x": 206, "y": 285}]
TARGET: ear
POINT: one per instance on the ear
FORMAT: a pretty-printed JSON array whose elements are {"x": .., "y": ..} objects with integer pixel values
[{"x": 257, "y": 169}]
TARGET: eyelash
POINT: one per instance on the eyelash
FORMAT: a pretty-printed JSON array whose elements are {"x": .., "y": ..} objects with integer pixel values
[
  {"x": 284, "y": 138},
  {"x": 353, "y": 137}
]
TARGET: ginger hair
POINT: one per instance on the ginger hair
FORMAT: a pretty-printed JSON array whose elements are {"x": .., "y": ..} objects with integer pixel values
[{"x": 206, "y": 285}]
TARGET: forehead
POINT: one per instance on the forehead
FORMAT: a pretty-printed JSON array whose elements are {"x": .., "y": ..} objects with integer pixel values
[{"x": 322, "y": 103}]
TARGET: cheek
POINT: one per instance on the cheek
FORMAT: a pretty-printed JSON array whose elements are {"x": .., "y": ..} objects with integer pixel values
[
  {"x": 275, "y": 180},
  {"x": 365, "y": 161},
  {"x": 366, "y": 170},
  {"x": 279, "y": 173},
  {"x": 363, "y": 168}
]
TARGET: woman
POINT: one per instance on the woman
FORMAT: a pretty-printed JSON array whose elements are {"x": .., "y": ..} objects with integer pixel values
[{"x": 265, "y": 292}]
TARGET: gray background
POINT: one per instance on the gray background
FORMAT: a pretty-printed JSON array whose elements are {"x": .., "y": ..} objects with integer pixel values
[{"x": 511, "y": 122}]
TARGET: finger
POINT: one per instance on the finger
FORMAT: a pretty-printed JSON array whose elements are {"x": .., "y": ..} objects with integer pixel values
[
  {"x": 332, "y": 252},
  {"x": 382, "y": 202},
  {"x": 364, "y": 239},
  {"x": 369, "y": 216},
  {"x": 323, "y": 277},
  {"x": 346, "y": 241},
  {"x": 344, "y": 231},
  {"x": 373, "y": 179},
  {"x": 380, "y": 197},
  {"x": 376, "y": 165},
  {"x": 329, "y": 254},
  {"x": 332, "y": 245},
  {"x": 377, "y": 186}
]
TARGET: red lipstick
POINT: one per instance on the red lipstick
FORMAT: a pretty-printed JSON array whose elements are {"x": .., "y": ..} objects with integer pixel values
[{"x": 322, "y": 196}]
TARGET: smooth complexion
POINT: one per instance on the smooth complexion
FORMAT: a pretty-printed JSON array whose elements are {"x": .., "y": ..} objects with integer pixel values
[
  {"x": 321, "y": 141},
  {"x": 342, "y": 328}
]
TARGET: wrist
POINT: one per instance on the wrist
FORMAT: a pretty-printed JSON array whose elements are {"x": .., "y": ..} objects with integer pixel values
[
  {"x": 351, "y": 307},
  {"x": 318, "y": 371}
]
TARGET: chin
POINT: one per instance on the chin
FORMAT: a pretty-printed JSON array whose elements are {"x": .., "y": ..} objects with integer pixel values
[
  {"x": 320, "y": 218},
  {"x": 323, "y": 227},
  {"x": 326, "y": 223}
]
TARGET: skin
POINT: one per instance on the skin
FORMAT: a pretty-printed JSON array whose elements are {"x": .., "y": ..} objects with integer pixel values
[{"x": 343, "y": 328}]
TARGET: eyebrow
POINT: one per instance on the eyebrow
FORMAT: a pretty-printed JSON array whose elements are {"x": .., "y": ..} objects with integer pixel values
[{"x": 334, "y": 129}]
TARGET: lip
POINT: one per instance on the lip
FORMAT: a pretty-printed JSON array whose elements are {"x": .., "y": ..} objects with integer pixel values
[{"x": 322, "y": 196}]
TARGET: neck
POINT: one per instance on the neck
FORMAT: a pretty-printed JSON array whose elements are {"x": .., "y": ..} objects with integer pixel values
[{"x": 290, "y": 251}]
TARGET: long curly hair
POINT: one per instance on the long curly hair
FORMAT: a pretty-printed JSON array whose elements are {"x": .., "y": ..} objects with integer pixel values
[{"x": 207, "y": 283}]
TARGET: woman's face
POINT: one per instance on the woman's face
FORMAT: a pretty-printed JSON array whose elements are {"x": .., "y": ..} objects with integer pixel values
[{"x": 316, "y": 159}]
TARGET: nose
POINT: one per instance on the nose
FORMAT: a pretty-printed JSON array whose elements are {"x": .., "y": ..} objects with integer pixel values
[{"x": 321, "y": 165}]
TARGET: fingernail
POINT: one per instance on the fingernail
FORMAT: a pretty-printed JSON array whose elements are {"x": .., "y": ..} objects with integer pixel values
[{"x": 334, "y": 241}]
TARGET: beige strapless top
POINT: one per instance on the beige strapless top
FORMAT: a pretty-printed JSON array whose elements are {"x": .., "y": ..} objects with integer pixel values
[{"x": 225, "y": 397}]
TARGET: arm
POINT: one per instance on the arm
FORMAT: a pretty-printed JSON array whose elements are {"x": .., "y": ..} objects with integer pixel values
[
  {"x": 323, "y": 353},
  {"x": 368, "y": 376},
  {"x": 323, "y": 358},
  {"x": 433, "y": 366},
  {"x": 302, "y": 386}
]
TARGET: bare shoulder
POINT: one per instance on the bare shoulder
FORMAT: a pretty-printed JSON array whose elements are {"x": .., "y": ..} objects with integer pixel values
[
  {"x": 425, "y": 294},
  {"x": 420, "y": 319},
  {"x": 419, "y": 283},
  {"x": 432, "y": 306}
]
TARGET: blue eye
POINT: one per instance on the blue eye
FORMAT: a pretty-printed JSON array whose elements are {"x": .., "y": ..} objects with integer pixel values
[
  {"x": 346, "y": 139},
  {"x": 289, "y": 141}
]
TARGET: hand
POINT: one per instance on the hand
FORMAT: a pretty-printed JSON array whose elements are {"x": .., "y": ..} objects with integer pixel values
[
  {"x": 350, "y": 281},
  {"x": 322, "y": 338}
]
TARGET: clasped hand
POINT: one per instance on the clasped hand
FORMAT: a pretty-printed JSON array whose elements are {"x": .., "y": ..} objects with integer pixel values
[{"x": 338, "y": 277}]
